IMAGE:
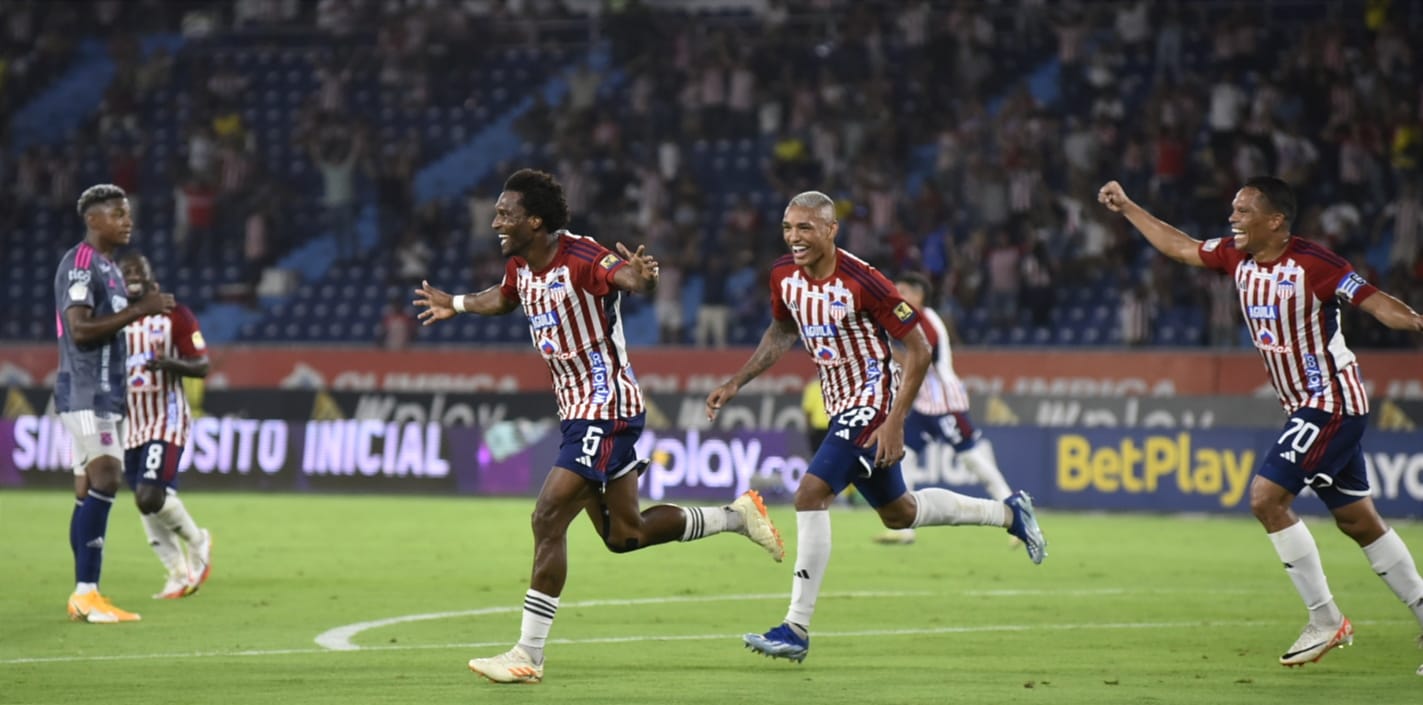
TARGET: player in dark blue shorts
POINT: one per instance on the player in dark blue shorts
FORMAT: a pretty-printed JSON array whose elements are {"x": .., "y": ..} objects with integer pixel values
[
  {"x": 844, "y": 313},
  {"x": 1291, "y": 291},
  {"x": 570, "y": 289}
]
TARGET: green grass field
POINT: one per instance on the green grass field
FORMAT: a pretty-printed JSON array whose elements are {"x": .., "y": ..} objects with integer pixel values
[{"x": 1127, "y": 609}]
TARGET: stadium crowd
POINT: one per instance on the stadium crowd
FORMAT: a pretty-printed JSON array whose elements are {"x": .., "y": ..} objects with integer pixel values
[{"x": 967, "y": 142}]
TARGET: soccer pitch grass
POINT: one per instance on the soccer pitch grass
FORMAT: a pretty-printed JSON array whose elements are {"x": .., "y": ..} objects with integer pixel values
[{"x": 1126, "y": 609}]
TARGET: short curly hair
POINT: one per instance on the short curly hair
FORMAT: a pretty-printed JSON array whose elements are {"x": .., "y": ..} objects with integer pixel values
[
  {"x": 101, "y": 193},
  {"x": 541, "y": 195}
]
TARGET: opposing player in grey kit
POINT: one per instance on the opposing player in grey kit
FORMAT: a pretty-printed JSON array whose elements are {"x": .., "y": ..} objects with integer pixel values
[{"x": 91, "y": 310}]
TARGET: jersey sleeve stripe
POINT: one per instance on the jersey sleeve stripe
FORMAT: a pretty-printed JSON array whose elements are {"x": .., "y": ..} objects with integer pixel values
[
  {"x": 867, "y": 281},
  {"x": 1309, "y": 248}
]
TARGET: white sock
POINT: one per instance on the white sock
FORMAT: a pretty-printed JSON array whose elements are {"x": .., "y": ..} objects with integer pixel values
[
  {"x": 979, "y": 460},
  {"x": 812, "y": 557},
  {"x": 175, "y": 516},
  {"x": 539, "y": 611},
  {"x": 939, "y": 507},
  {"x": 85, "y": 588},
  {"x": 165, "y": 544},
  {"x": 1391, "y": 560},
  {"x": 705, "y": 521},
  {"x": 1296, "y": 548}
]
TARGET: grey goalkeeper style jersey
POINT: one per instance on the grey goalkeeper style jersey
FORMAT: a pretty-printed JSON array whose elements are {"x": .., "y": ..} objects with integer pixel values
[{"x": 90, "y": 377}]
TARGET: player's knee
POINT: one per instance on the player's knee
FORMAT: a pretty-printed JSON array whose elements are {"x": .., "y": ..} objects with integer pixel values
[
  {"x": 623, "y": 539},
  {"x": 622, "y": 544},
  {"x": 104, "y": 475},
  {"x": 149, "y": 498},
  {"x": 1268, "y": 502},
  {"x": 898, "y": 520}
]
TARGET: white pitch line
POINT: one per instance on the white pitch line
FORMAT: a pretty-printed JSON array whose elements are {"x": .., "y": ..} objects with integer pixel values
[
  {"x": 340, "y": 638},
  {"x": 673, "y": 637}
]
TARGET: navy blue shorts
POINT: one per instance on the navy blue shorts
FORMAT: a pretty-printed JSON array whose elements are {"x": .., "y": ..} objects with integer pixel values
[
  {"x": 154, "y": 462},
  {"x": 954, "y": 428},
  {"x": 600, "y": 451},
  {"x": 1324, "y": 451},
  {"x": 841, "y": 462}
]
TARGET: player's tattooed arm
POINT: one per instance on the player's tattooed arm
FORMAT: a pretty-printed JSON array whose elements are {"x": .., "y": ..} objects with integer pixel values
[
  {"x": 779, "y": 337},
  {"x": 440, "y": 305}
]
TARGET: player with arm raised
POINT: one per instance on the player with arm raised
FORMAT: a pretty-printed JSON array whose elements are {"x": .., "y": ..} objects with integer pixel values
[
  {"x": 163, "y": 349},
  {"x": 940, "y": 411},
  {"x": 1290, "y": 292},
  {"x": 570, "y": 288},
  {"x": 845, "y": 311},
  {"x": 91, "y": 310}
]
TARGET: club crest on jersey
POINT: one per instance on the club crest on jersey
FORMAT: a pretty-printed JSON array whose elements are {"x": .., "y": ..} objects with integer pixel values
[
  {"x": 557, "y": 291},
  {"x": 838, "y": 309},
  {"x": 1284, "y": 288},
  {"x": 609, "y": 261},
  {"x": 825, "y": 354},
  {"x": 155, "y": 330}
]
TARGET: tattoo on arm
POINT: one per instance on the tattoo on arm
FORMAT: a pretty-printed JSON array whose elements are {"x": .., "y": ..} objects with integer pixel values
[{"x": 779, "y": 337}]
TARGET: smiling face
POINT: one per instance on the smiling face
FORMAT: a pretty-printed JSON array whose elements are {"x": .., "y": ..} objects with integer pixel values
[
  {"x": 515, "y": 226},
  {"x": 138, "y": 276},
  {"x": 810, "y": 235},
  {"x": 1255, "y": 225}
]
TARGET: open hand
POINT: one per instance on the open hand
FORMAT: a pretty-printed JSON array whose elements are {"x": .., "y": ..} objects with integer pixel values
[
  {"x": 438, "y": 304},
  {"x": 642, "y": 264}
]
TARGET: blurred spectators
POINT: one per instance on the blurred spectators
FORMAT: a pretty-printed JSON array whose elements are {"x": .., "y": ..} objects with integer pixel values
[{"x": 966, "y": 139}]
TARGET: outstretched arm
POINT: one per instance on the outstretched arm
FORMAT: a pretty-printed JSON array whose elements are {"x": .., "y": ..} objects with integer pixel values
[
  {"x": 440, "y": 305},
  {"x": 640, "y": 276},
  {"x": 779, "y": 337},
  {"x": 1162, "y": 235},
  {"x": 1391, "y": 312}
]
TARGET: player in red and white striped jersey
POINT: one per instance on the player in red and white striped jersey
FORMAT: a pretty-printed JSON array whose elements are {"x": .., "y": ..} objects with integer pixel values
[
  {"x": 940, "y": 412},
  {"x": 571, "y": 288},
  {"x": 162, "y": 350},
  {"x": 845, "y": 312},
  {"x": 1290, "y": 291}
]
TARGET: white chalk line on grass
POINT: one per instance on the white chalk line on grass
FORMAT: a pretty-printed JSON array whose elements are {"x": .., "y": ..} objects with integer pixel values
[
  {"x": 338, "y": 639},
  {"x": 669, "y": 637}
]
